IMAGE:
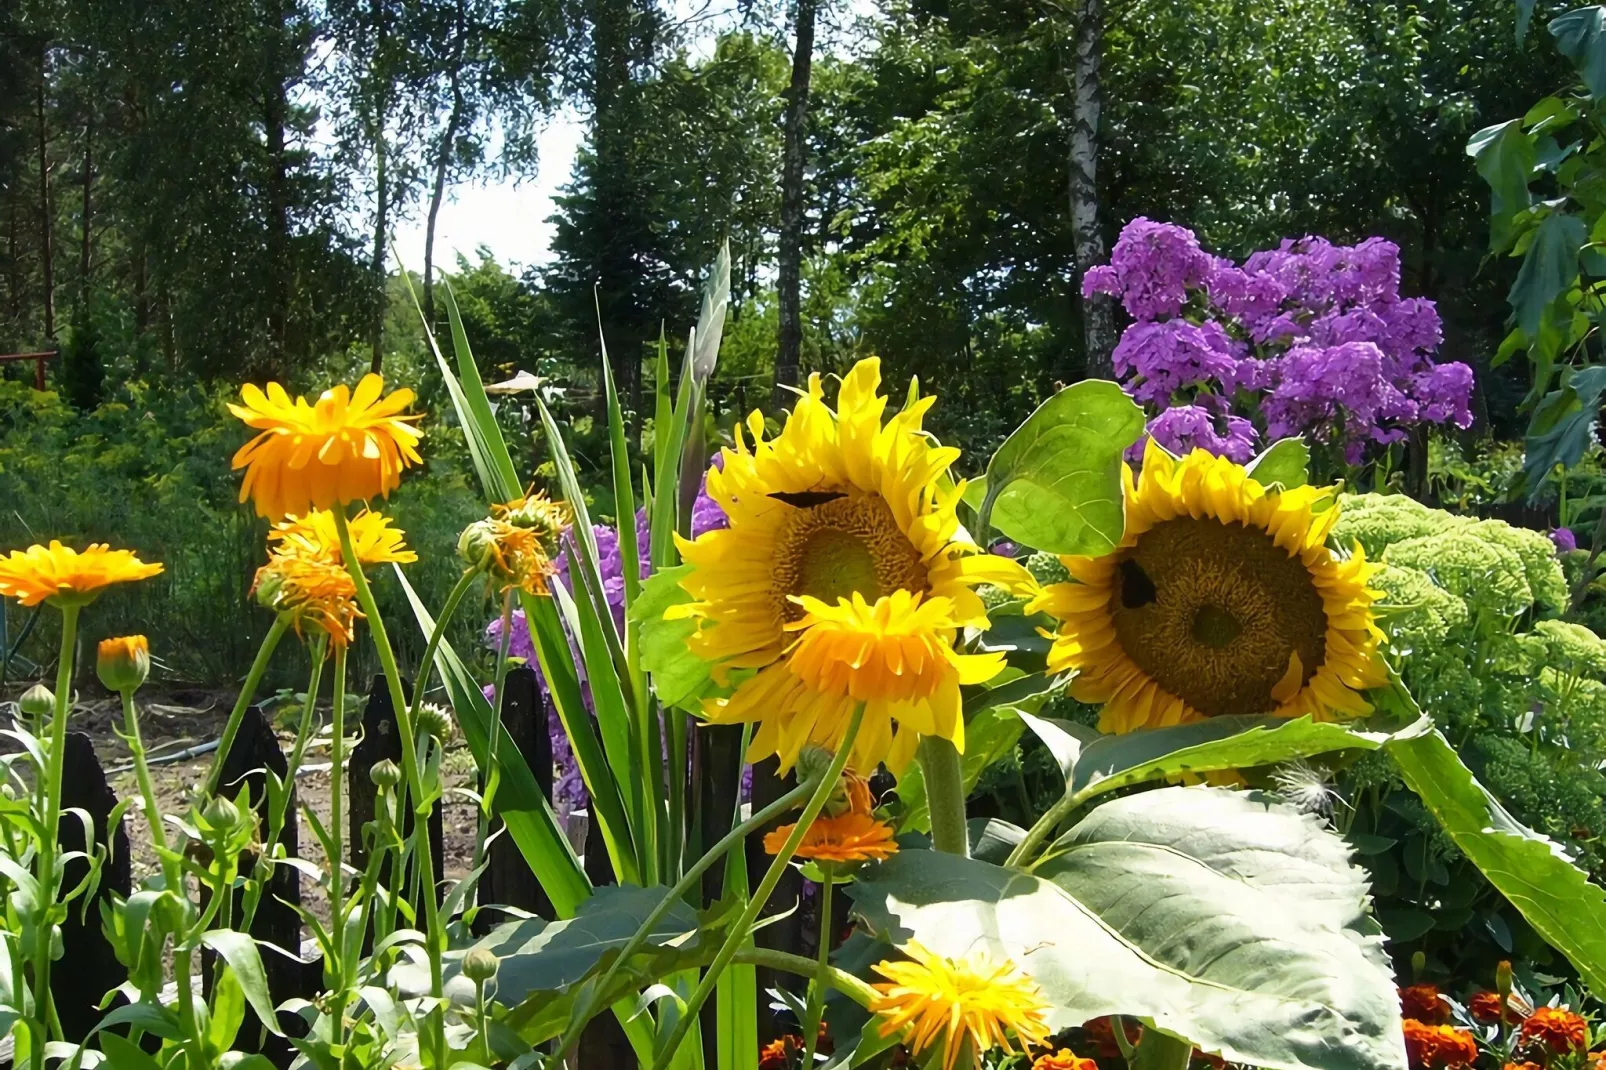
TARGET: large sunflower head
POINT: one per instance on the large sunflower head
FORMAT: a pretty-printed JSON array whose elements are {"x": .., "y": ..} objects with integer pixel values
[
  {"x": 63, "y": 576},
  {"x": 844, "y": 576},
  {"x": 347, "y": 446},
  {"x": 1222, "y": 598}
]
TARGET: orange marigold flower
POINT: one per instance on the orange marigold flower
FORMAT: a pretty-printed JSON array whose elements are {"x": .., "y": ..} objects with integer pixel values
[
  {"x": 373, "y": 538},
  {"x": 1597, "y": 1060},
  {"x": 63, "y": 576},
  {"x": 1064, "y": 1059},
  {"x": 348, "y": 446},
  {"x": 1523, "y": 1066},
  {"x": 1435, "y": 1047},
  {"x": 777, "y": 1054},
  {"x": 123, "y": 662},
  {"x": 851, "y": 837},
  {"x": 1101, "y": 1034},
  {"x": 1557, "y": 1028},
  {"x": 1485, "y": 1007},
  {"x": 1424, "y": 1003}
]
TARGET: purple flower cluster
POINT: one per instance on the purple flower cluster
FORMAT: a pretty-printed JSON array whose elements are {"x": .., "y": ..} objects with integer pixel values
[
  {"x": 568, "y": 791},
  {"x": 1309, "y": 338}
]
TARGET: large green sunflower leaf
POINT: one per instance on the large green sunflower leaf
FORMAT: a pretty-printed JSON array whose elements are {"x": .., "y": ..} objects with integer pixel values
[
  {"x": 1055, "y": 483},
  {"x": 1219, "y": 917},
  {"x": 679, "y": 677},
  {"x": 1533, "y": 872}
]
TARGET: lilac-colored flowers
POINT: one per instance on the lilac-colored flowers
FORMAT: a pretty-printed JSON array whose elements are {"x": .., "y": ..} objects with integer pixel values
[
  {"x": 1565, "y": 540},
  {"x": 1309, "y": 338}
]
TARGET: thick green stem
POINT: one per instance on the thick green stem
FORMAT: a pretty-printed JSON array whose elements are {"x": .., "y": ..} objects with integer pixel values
[
  {"x": 945, "y": 794},
  {"x": 248, "y": 690},
  {"x": 436, "y": 936},
  {"x": 482, "y": 827},
  {"x": 852, "y": 987},
  {"x": 761, "y": 896},
  {"x": 48, "y": 887},
  {"x": 678, "y": 894},
  {"x": 337, "y": 823},
  {"x": 448, "y": 611},
  {"x": 1041, "y": 830}
]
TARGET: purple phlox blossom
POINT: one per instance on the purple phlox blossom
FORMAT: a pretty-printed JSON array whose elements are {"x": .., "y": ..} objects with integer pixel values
[
  {"x": 1565, "y": 540},
  {"x": 1161, "y": 358},
  {"x": 1004, "y": 548},
  {"x": 1337, "y": 393},
  {"x": 1182, "y": 429},
  {"x": 1444, "y": 394},
  {"x": 1151, "y": 269},
  {"x": 1319, "y": 275}
]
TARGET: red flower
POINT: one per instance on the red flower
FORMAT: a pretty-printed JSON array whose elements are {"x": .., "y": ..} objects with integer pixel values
[
  {"x": 1101, "y": 1034},
  {"x": 1485, "y": 1007},
  {"x": 1556, "y": 1028},
  {"x": 1435, "y": 1047},
  {"x": 1425, "y": 1004}
]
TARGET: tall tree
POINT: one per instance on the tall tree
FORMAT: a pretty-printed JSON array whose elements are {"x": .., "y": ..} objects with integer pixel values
[
  {"x": 789, "y": 340},
  {"x": 1098, "y": 311}
]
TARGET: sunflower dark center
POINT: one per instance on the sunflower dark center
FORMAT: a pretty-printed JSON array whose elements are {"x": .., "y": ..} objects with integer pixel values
[
  {"x": 840, "y": 547},
  {"x": 1214, "y": 612}
]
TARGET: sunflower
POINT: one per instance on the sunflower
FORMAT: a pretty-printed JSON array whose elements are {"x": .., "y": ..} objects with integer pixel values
[
  {"x": 843, "y": 577},
  {"x": 1436, "y": 1047},
  {"x": 346, "y": 447},
  {"x": 373, "y": 538},
  {"x": 313, "y": 591},
  {"x": 1222, "y": 598},
  {"x": 63, "y": 576},
  {"x": 1557, "y": 1029},
  {"x": 971, "y": 998}
]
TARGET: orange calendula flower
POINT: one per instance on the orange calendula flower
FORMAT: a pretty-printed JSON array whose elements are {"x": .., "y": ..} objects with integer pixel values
[
  {"x": 314, "y": 591},
  {"x": 63, "y": 576},
  {"x": 849, "y": 838},
  {"x": 1424, "y": 1003},
  {"x": 931, "y": 997},
  {"x": 1556, "y": 1028},
  {"x": 374, "y": 539},
  {"x": 348, "y": 446},
  {"x": 1064, "y": 1059},
  {"x": 1435, "y": 1047},
  {"x": 1523, "y": 1066},
  {"x": 515, "y": 557}
]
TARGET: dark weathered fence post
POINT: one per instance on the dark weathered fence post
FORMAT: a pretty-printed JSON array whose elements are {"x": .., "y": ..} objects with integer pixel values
[
  {"x": 508, "y": 879},
  {"x": 89, "y": 965},
  {"x": 255, "y": 750},
  {"x": 716, "y": 780},
  {"x": 787, "y": 933},
  {"x": 603, "y": 1043},
  {"x": 381, "y": 739}
]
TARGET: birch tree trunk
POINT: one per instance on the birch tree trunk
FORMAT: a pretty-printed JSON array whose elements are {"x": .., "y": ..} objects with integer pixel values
[
  {"x": 442, "y": 161},
  {"x": 789, "y": 342},
  {"x": 1098, "y": 312}
]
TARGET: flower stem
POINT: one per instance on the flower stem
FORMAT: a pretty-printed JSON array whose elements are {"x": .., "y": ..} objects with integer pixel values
[
  {"x": 816, "y": 1004},
  {"x": 48, "y": 889},
  {"x": 761, "y": 896},
  {"x": 435, "y": 942},
  {"x": 852, "y": 987},
  {"x": 678, "y": 894},
  {"x": 482, "y": 829},
  {"x": 337, "y": 771},
  {"x": 1041, "y": 830},
  {"x": 448, "y": 611},
  {"x": 945, "y": 794},
  {"x": 248, "y": 691}
]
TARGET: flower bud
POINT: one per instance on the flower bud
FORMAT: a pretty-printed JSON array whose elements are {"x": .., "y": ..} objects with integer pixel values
[
  {"x": 436, "y": 722},
  {"x": 814, "y": 760},
  {"x": 268, "y": 588},
  {"x": 123, "y": 663},
  {"x": 477, "y": 545},
  {"x": 480, "y": 964},
  {"x": 385, "y": 773},
  {"x": 1502, "y": 980},
  {"x": 221, "y": 814},
  {"x": 38, "y": 701},
  {"x": 1419, "y": 962}
]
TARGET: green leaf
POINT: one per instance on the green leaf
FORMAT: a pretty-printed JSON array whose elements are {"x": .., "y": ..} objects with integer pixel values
[
  {"x": 125, "y": 1054},
  {"x": 240, "y": 952},
  {"x": 1531, "y": 871},
  {"x": 1225, "y": 918},
  {"x": 482, "y": 422},
  {"x": 989, "y": 735},
  {"x": 525, "y": 811},
  {"x": 1562, "y": 428},
  {"x": 1549, "y": 268},
  {"x": 1284, "y": 464},
  {"x": 228, "y": 1011},
  {"x": 679, "y": 677},
  {"x": 1505, "y": 159},
  {"x": 1055, "y": 483},
  {"x": 1525, "y": 14},
  {"x": 1213, "y": 745},
  {"x": 991, "y": 839},
  {"x": 1581, "y": 37},
  {"x": 736, "y": 994}
]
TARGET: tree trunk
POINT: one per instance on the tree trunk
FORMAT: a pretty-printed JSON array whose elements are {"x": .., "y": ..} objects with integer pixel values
[
  {"x": 84, "y": 254},
  {"x": 14, "y": 266},
  {"x": 1098, "y": 311},
  {"x": 275, "y": 108},
  {"x": 443, "y": 158},
  {"x": 46, "y": 259},
  {"x": 789, "y": 343},
  {"x": 382, "y": 193}
]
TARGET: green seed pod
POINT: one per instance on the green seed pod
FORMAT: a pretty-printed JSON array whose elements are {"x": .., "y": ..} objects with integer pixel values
[
  {"x": 385, "y": 773},
  {"x": 221, "y": 814},
  {"x": 436, "y": 721},
  {"x": 1047, "y": 568},
  {"x": 476, "y": 547}
]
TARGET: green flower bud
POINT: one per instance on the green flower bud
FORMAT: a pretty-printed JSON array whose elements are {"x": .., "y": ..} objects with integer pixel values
[
  {"x": 38, "y": 701},
  {"x": 221, "y": 814},
  {"x": 436, "y": 721},
  {"x": 1047, "y": 568},
  {"x": 385, "y": 773},
  {"x": 123, "y": 663},
  {"x": 480, "y": 964},
  {"x": 476, "y": 547}
]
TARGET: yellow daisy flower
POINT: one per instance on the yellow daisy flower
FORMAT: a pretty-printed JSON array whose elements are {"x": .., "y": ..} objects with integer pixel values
[
  {"x": 348, "y": 446},
  {"x": 843, "y": 576},
  {"x": 373, "y": 537},
  {"x": 63, "y": 576},
  {"x": 932, "y": 996},
  {"x": 1222, "y": 598}
]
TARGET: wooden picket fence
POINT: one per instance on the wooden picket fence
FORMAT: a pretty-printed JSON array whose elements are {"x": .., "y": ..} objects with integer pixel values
[{"x": 507, "y": 880}]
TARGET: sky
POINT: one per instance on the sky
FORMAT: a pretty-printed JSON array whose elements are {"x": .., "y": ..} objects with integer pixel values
[{"x": 509, "y": 216}]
